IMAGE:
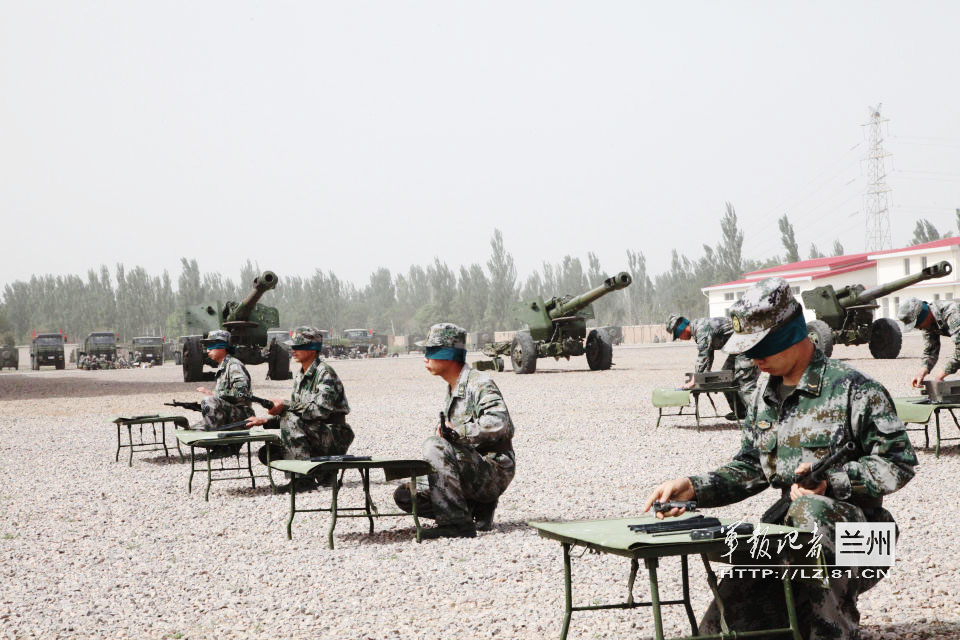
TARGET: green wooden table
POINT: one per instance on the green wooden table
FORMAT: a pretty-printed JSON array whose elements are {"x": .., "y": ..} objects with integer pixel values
[
  {"x": 918, "y": 409},
  {"x": 613, "y": 536},
  {"x": 393, "y": 469},
  {"x": 158, "y": 442},
  {"x": 211, "y": 440}
]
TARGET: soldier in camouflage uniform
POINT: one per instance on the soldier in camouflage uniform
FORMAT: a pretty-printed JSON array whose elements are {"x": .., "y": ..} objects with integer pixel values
[
  {"x": 711, "y": 334},
  {"x": 942, "y": 318},
  {"x": 229, "y": 401},
  {"x": 805, "y": 409},
  {"x": 313, "y": 421},
  {"x": 472, "y": 453}
]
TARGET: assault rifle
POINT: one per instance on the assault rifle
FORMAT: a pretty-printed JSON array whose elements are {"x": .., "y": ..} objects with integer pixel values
[
  {"x": 446, "y": 432},
  {"x": 676, "y": 526},
  {"x": 776, "y": 513},
  {"x": 663, "y": 507},
  {"x": 195, "y": 406}
]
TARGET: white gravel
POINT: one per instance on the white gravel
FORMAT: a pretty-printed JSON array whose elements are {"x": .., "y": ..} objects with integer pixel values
[{"x": 90, "y": 547}]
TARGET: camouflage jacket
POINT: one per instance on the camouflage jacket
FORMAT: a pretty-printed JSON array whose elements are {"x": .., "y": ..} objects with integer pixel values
[
  {"x": 478, "y": 413},
  {"x": 946, "y": 317},
  {"x": 233, "y": 382},
  {"x": 710, "y": 335},
  {"x": 832, "y": 402},
  {"x": 317, "y": 393}
]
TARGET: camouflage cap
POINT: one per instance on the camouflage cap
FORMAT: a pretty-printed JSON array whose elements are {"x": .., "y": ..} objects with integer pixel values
[
  {"x": 305, "y": 338},
  {"x": 217, "y": 335},
  {"x": 673, "y": 322},
  {"x": 445, "y": 334},
  {"x": 766, "y": 306},
  {"x": 909, "y": 312}
]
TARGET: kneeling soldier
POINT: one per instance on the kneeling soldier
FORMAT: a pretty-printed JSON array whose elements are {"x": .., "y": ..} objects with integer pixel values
[
  {"x": 472, "y": 453},
  {"x": 313, "y": 421},
  {"x": 230, "y": 399},
  {"x": 809, "y": 405}
]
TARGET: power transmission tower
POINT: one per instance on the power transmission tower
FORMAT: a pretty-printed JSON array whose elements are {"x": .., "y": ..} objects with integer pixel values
[{"x": 875, "y": 199}]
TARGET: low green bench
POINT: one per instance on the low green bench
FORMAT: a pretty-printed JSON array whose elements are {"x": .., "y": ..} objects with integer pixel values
[
  {"x": 210, "y": 440},
  {"x": 917, "y": 410},
  {"x": 393, "y": 469},
  {"x": 141, "y": 445}
]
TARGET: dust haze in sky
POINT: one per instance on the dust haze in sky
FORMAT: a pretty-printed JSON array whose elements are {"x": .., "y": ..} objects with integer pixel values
[{"x": 347, "y": 136}]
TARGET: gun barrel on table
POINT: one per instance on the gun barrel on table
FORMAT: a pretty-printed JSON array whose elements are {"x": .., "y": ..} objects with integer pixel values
[{"x": 192, "y": 406}]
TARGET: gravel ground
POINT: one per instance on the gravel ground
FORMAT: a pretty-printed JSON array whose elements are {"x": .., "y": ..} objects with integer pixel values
[{"x": 90, "y": 547}]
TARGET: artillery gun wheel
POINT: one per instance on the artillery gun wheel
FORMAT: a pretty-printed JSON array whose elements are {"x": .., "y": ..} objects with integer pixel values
[
  {"x": 192, "y": 359},
  {"x": 599, "y": 350},
  {"x": 885, "y": 339},
  {"x": 278, "y": 363},
  {"x": 523, "y": 353},
  {"x": 822, "y": 336}
]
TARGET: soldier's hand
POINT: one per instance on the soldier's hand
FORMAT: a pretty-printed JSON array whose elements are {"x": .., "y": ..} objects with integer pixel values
[
  {"x": 204, "y": 391},
  {"x": 678, "y": 489},
  {"x": 917, "y": 380},
  {"x": 254, "y": 421},
  {"x": 939, "y": 375},
  {"x": 277, "y": 407},
  {"x": 688, "y": 384},
  {"x": 796, "y": 490}
]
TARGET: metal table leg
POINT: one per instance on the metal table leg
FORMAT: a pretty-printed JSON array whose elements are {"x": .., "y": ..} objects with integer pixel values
[
  {"x": 333, "y": 511},
  {"x": 685, "y": 577},
  {"x": 791, "y": 609},
  {"x": 209, "y": 474},
  {"x": 696, "y": 409},
  {"x": 567, "y": 592},
  {"x": 293, "y": 508},
  {"x": 651, "y": 564},
  {"x": 936, "y": 413},
  {"x": 365, "y": 475},
  {"x": 253, "y": 481},
  {"x": 193, "y": 459},
  {"x": 116, "y": 458},
  {"x": 130, "y": 439},
  {"x": 163, "y": 430}
]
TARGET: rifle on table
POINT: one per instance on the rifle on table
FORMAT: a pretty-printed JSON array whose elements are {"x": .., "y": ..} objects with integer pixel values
[
  {"x": 675, "y": 526},
  {"x": 192, "y": 406},
  {"x": 776, "y": 513},
  {"x": 195, "y": 406}
]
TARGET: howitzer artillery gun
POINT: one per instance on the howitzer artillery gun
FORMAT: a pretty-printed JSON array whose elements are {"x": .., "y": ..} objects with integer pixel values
[
  {"x": 845, "y": 316},
  {"x": 557, "y": 328},
  {"x": 247, "y": 321}
]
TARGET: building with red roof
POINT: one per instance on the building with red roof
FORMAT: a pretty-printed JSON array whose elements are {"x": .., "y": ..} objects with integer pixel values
[{"x": 868, "y": 269}]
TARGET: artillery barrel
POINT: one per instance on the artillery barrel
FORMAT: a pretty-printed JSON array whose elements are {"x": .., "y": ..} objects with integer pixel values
[
  {"x": 619, "y": 281},
  {"x": 261, "y": 284},
  {"x": 935, "y": 271}
]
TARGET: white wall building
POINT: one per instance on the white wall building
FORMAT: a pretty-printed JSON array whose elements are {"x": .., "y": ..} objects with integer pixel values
[{"x": 868, "y": 269}]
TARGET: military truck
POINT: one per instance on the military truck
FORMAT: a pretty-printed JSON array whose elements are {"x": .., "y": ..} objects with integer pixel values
[
  {"x": 845, "y": 316},
  {"x": 557, "y": 329},
  {"x": 100, "y": 343},
  {"x": 247, "y": 321},
  {"x": 147, "y": 349},
  {"x": 46, "y": 349},
  {"x": 362, "y": 339},
  {"x": 9, "y": 354}
]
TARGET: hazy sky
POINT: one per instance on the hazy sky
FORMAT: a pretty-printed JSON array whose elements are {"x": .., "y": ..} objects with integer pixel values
[{"x": 351, "y": 135}]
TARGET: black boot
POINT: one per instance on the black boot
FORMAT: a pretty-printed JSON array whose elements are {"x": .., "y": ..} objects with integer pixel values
[{"x": 483, "y": 515}]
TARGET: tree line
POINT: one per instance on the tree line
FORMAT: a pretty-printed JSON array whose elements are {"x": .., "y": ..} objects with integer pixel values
[{"x": 478, "y": 297}]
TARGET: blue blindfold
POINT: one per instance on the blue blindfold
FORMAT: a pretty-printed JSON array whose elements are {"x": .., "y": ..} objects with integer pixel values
[
  {"x": 446, "y": 353},
  {"x": 780, "y": 339}
]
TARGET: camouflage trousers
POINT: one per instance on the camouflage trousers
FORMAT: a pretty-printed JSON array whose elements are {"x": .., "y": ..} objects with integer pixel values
[
  {"x": 304, "y": 439},
  {"x": 463, "y": 478},
  {"x": 823, "y": 613},
  {"x": 745, "y": 374},
  {"x": 217, "y": 412}
]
